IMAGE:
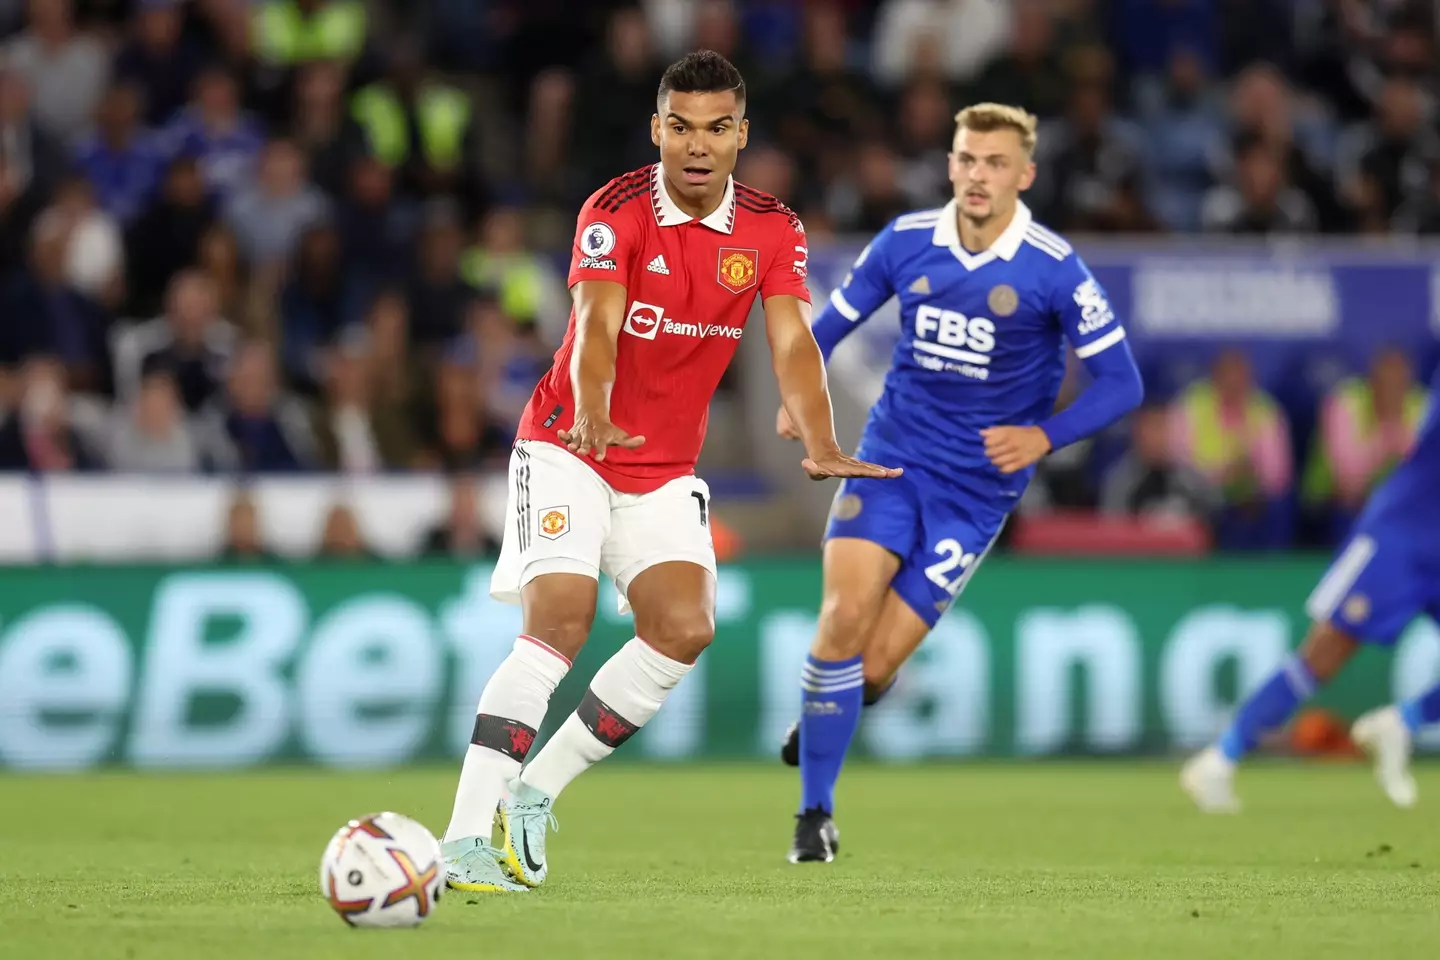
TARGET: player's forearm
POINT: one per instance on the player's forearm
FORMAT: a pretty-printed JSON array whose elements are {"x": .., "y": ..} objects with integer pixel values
[
  {"x": 829, "y": 328},
  {"x": 1115, "y": 391},
  {"x": 800, "y": 372},
  {"x": 592, "y": 372}
]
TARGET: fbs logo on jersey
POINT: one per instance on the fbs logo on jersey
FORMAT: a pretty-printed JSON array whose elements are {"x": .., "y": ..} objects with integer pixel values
[
  {"x": 737, "y": 269},
  {"x": 949, "y": 340},
  {"x": 554, "y": 522}
]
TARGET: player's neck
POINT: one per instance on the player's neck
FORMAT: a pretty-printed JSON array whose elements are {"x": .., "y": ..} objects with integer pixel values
[
  {"x": 696, "y": 210},
  {"x": 979, "y": 237}
]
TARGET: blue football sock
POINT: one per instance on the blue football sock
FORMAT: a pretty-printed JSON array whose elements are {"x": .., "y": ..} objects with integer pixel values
[
  {"x": 1422, "y": 710},
  {"x": 1268, "y": 707},
  {"x": 829, "y": 714}
]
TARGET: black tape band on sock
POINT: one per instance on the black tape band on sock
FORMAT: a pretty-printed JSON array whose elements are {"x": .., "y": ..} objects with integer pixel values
[
  {"x": 510, "y": 737},
  {"x": 604, "y": 723}
]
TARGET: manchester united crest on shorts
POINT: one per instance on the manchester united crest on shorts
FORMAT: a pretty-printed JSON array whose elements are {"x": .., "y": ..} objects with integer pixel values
[
  {"x": 737, "y": 269},
  {"x": 554, "y": 522}
]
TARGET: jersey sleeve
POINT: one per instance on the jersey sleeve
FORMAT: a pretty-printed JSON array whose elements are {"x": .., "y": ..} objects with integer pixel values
[
  {"x": 1083, "y": 309},
  {"x": 789, "y": 270},
  {"x": 605, "y": 243},
  {"x": 864, "y": 290}
]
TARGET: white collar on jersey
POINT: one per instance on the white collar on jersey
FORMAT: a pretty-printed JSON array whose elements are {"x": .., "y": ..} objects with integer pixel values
[
  {"x": 947, "y": 234},
  {"x": 667, "y": 214}
]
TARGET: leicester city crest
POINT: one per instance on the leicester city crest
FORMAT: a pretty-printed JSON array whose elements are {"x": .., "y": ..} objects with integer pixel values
[{"x": 1003, "y": 300}]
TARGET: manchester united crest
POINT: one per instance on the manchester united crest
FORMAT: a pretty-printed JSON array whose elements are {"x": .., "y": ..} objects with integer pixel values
[
  {"x": 737, "y": 269},
  {"x": 1003, "y": 300},
  {"x": 554, "y": 522}
]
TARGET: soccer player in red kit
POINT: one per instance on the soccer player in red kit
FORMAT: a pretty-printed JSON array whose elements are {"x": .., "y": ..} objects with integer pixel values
[{"x": 667, "y": 263}]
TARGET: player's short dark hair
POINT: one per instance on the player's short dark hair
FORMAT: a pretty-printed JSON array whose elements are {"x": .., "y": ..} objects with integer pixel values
[{"x": 703, "y": 71}]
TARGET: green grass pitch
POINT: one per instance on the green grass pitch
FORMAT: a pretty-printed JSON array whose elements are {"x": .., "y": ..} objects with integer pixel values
[{"x": 1053, "y": 860}]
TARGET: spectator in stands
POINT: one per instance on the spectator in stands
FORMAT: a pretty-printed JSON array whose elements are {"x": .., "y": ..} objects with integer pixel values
[
  {"x": 1093, "y": 161},
  {"x": 869, "y": 196},
  {"x": 971, "y": 33},
  {"x": 1149, "y": 482},
  {"x": 460, "y": 434},
  {"x": 151, "y": 433},
  {"x": 269, "y": 216},
  {"x": 293, "y": 32},
  {"x": 1235, "y": 434},
  {"x": 1385, "y": 161},
  {"x": 357, "y": 434},
  {"x": 244, "y": 540},
  {"x": 166, "y": 237},
  {"x": 123, "y": 162},
  {"x": 320, "y": 128},
  {"x": 1260, "y": 200},
  {"x": 422, "y": 129},
  {"x": 341, "y": 538},
  {"x": 158, "y": 60},
  {"x": 94, "y": 248},
  {"x": 1421, "y": 213},
  {"x": 391, "y": 370},
  {"x": 461, "y": 535},
  {"x": 321, "y": 299},
  {"x": 613, "y": 89},
  {"x": 1030, "y": 70},
  {"x": 1185, "y": 137},
  {"x": 31, "y": 160},
  {"x": 926, "y": 125},
  {"x": 256, "y": 426},
  {"x": 829, "y": 107},
  {"x": 39, "y": 436},
  {"x": 219, "y": 259},
  {"x": 213, "y": 129},
  {"x": 377, "y": 228},
  {"x": 191, "y": 340},
  {"x": 525, "y": 283},
  {"x": 66, "y": 70},
  {"x": 1367, "y": 425},
  {"x": 439, "y": 298},
  {"x": 52, "y": 316},
  {"x": 1263, "y": 106}
]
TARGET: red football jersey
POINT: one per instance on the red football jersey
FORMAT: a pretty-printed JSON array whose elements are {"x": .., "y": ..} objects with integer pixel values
[{"x": 690, "y": 286}]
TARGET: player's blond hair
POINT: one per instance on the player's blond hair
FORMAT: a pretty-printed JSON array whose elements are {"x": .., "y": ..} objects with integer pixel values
[{"x": 985, "y": 117}]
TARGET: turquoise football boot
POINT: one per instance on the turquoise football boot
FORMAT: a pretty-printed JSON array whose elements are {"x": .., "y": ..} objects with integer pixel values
[
  {"x": 521, "y": 822},
  {"x": 472, "y": 865}
]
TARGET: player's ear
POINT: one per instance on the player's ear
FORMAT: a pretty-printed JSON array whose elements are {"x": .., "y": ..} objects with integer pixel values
[
  {"x": 744, "y": 137},
  {"x": 1028, "y": 177},
  {"x": 655, "y": 129}
]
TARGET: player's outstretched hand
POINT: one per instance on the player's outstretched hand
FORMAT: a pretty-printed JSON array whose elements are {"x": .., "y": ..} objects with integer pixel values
[
  {"x": 785, "y": 426},
  {"x": 595, "y": 435},
  {"x": 1012, "y": 449},
  {"x": 839, "y": 465}
]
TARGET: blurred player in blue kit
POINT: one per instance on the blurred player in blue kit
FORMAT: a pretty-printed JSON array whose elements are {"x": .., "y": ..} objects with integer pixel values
[
  {"x": 1385, "y": 575},
  {"x": 988, "y": 300}
]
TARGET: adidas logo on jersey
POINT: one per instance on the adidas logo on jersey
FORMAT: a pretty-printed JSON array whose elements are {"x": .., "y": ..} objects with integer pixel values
[
  {"x": 658, "y": 266},
  {"x": 921, "y": 285}
]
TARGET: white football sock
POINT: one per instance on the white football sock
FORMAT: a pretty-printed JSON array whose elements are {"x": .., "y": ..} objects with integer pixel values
[
  {"x": 625, "y": 693},
  {"x": 511, "y": 709}
]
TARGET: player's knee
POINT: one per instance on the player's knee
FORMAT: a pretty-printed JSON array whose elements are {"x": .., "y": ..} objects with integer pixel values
[
  {"x": 680, "y": 633},
  {"x": 845, "y": 623},
  {"x": 879, "y": 673},
  {"x": 1327, "y": 649}
]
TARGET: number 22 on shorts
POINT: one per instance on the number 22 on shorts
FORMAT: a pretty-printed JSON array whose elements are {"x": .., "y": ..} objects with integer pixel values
[{"x": 953, "y": 556}]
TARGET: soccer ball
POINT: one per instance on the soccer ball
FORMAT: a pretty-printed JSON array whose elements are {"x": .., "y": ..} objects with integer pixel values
[{"x": 382, "y": 870}]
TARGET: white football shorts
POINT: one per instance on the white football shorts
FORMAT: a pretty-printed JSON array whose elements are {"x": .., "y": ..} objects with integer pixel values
[{"x": 562, "y": 517}]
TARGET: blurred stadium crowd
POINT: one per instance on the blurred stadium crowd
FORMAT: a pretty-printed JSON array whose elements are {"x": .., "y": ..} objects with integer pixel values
[{"x": 291, "y": 235}]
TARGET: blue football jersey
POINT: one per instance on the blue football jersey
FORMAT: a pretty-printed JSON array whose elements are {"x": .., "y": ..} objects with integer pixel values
[{"x": 982, "y": 339}]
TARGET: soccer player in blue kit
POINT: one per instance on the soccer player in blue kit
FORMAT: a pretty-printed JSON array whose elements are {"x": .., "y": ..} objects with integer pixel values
[
  {"x": 988, "y": 299},
  {"x": 1385, "y": 575}
]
